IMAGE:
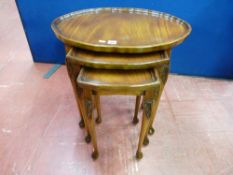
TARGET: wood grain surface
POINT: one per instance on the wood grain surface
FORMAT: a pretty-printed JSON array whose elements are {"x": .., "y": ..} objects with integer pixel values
[
  {"x": 109, "y": 82},
  {"x": 125, "y": 30}
]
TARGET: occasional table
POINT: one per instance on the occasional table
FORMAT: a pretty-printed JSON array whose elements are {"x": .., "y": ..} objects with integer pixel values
[{"x": 113, "y": 42}]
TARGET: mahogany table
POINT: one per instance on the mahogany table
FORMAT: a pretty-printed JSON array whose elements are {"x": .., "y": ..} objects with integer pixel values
[{"x": 117, "y": 39}]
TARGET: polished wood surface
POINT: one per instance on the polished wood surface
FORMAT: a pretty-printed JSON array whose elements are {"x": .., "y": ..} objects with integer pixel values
[
  {"x": 123, "y": 51},
  {"x": 105, "y": 81},
  {"x": 125, "y": 30},
  {"x": 118, "y": 61}
]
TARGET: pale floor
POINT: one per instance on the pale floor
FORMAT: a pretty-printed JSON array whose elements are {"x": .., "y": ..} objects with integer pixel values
[{"x": 39, "y": 133}]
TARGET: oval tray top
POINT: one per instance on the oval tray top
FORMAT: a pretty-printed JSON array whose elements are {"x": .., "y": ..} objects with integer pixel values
[{"x": 123, "y": 30}]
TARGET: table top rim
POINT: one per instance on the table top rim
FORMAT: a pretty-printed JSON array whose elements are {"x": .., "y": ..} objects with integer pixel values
[
  {"x": 118, "y": 61},
  {"x": 118, "y": 48}
]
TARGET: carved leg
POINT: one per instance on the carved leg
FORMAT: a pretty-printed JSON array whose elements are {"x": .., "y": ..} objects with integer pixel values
[
  {"x": 97, "y": 103},
  {"x": 80, "y": 97},
  {"x": 137, "y": 104},
  {"x": 156, "y": 97},
  {"x": 162, "y": 73},
  {"x": 149, "y": 104},
  {"x": 87, "y": 101},
  {"x": 73, "y": 71}
]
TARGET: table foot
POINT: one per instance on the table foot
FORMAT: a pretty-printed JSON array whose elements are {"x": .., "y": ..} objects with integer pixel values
[
  {"x": 98, "y": 120},
  {"x": 88, "y": 138},
  {"x": 95, "y": 155},
  {"x": 135, "y": 120},
  {"x": 81, "y": 124},
  {"x": 139, "y": 155},
  {"x": 146, "y": 141},
  {"x": 151, "y": 131}
]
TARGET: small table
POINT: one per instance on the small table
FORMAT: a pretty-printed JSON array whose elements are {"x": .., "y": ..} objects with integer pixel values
[{"x": 119, "y": 38}]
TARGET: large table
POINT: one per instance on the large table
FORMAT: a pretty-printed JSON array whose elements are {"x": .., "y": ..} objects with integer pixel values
[{"x": 119, "y": 39}]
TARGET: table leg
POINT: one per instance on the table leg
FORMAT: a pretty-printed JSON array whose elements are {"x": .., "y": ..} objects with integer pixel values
[
  {"x": 82, "y": 109},
  {"x": 156, "y": 95},
  {"x": 137, "y": 106},
  {"x": 87, "y": 102},
  {"x": 162, "y": 73},
  {"x": 150, "y": 103},
  {"x": 73, "y": 70},
  {"x": 97, "y": 103}
]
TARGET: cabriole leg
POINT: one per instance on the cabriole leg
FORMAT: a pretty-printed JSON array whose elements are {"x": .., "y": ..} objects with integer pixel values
[
  {"x": 73, "y": 71},
  {"x": 82, "y": 109},
  {"x": 88, "y": 104},
  {"x": 149, "y": 104},
  {"x": 137, "y": 106},
  {"x": 97, "y": 103},
  {"x": 162, "y": 73}
]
